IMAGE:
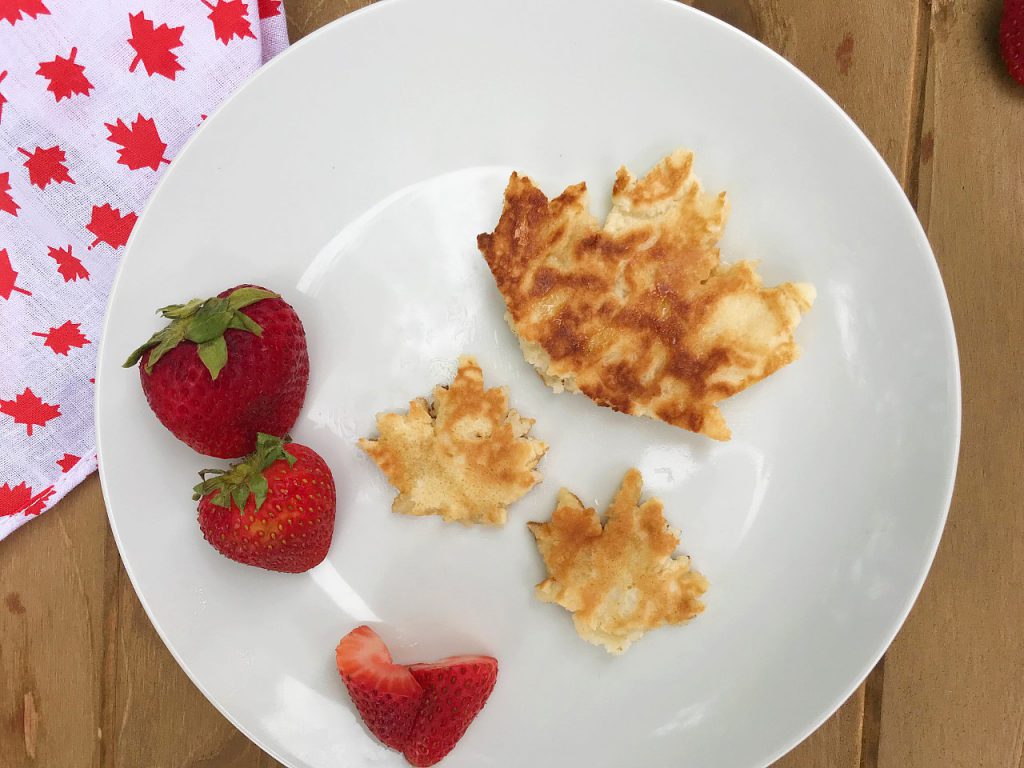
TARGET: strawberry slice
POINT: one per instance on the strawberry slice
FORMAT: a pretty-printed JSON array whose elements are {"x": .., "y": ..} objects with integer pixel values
[
  {"x": 455, "y": 691},
  {"x": 386, "y": 694}
]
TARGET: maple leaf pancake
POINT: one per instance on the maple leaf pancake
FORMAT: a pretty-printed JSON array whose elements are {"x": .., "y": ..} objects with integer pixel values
[
  {"x": 640, "y": 315},
  {"x": 465, "y": 456},
  {"x": 617, "y": 578}
]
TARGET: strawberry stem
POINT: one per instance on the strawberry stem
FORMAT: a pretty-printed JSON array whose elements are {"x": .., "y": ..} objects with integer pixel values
[
  {"x": 244, "y": 478},
  {"x": 203, "y": 323}
]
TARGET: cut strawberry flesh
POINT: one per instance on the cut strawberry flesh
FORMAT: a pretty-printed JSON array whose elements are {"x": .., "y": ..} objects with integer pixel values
[{"x": 386, "y": 694}]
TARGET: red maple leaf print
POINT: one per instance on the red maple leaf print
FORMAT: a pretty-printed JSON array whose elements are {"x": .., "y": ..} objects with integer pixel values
[
  {"x": 20, "y": 499},
  {"x": 66, "y": 77},
  {"x": 69, "y": 267},
  {"x": 153, "y": 46},
  {"x": 29, "y": 410},
  {"x": 15, "y": 10},
  {"x": 8, "y": 277},
  {"x": 62, "y": 338},
  {"x": 230, "y": 20},
  {"x": 141, "y": 144},
  {"x": 3, "y": 100},
  {"x": 67, "y": 462},
  {"x": 109, "y": 226},
  {"x": 7, "y": 203},
  {"x": 268, "y": 8},
  {"x": 46, "y": 165}
]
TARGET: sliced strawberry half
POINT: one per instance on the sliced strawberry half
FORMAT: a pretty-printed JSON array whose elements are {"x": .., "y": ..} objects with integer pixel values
[
  {"x": 386, "y": 694},
  {"x": 455, "y": 690}
]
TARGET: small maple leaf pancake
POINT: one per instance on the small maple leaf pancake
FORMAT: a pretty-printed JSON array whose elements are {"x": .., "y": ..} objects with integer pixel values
[
  {"x": 640, "y": 315},
  {"x": 465, "y": 457},
  {"x": 618, "y": 579}
]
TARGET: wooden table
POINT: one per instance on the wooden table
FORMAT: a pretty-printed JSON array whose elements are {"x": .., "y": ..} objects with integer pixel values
[{"x": 85, "y": 682}]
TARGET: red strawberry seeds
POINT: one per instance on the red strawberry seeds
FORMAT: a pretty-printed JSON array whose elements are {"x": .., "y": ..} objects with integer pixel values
[
  {"x": 1011, "y": 38},
  {"x": 421, "y": 710},
  {"x": 274, "y": 509},
  {"x": 225, "y": 369}
]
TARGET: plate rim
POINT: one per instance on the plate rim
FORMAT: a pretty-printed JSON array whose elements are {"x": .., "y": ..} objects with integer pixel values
[{"x": 742, "y": 38}]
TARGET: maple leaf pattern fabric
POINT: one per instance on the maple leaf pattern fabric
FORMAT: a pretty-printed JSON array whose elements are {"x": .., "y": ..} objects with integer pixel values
[
  {"x": 29, "y": 410},
  {"x": 141, "y": 146},
  {"x": 96, "y": 99},
  {"x": 68, "y": 266},
  {"x": 268, "y": 8},
  {"x": 109, "y": 226},
  {"x": 21, "y": 500},
  {"x": 8, "y": 277},
  {"x": 13, "y": 11},
  {"x": 67, "y": 77},
  {"x": 46, "y": 165},
  {"x": 229, "y": 18},
  {"x": 67, "y": 462},
  {"x": 3, "y": 99},
  {"x": 63, "y": 338},
  {"x": 154, "y": 46},
  {"x": 7, "y": 204}
]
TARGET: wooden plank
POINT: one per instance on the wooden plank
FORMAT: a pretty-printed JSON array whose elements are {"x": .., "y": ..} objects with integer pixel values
[
  {"x": 306, "y": 15},
  {"x": 866, "y": 55},
  {"x": 52, "y": 587},
  {"x": 954, "y": 679}
]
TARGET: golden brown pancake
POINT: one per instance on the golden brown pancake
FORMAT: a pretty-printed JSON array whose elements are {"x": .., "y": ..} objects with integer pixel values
[
  {"x": 640, "y": 315},
  {"x": 465, "y": 457},
  {"x": 618, "y": 579}
]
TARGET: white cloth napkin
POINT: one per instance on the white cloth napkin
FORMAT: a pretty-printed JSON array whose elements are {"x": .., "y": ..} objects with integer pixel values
[{"x": 96, "y": 98}]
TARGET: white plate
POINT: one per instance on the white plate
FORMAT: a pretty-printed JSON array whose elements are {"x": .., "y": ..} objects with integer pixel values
[{"x": 352, "y": 175}]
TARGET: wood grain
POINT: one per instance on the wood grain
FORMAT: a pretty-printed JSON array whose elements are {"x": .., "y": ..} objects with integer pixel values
[
  {"x": 84, "y": 680},
  {"x": 53, "y": 582},
  {"x": 304, "y": 16},
  {"x": 954, "y": 679}
]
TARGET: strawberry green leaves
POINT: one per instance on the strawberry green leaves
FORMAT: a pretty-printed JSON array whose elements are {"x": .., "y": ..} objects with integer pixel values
[
  {"x": 214, "y": 354},
  {"x": 203, "y": 323},
  {"x": 244, "y": 479}
]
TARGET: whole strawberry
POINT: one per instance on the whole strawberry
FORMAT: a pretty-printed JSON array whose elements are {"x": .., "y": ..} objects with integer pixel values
[
  {"x": 1011, "y": 38},
  {"x": 274, "y": 509},
  {"x": 226, "y": 368}
]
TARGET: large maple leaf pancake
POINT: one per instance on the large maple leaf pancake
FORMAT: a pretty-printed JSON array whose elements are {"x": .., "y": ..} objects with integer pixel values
[{"x": 640, "y": 315}]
